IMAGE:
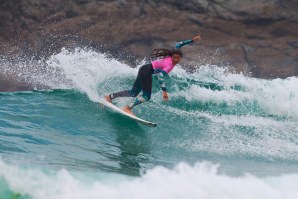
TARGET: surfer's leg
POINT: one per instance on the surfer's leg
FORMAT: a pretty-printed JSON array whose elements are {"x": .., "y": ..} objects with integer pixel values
[
  {"x": 145, "y": 76},
  {"x": 146, "y": 82},
  {"x": 125, "y": 93},
  {"x": 136, "y": 89}
]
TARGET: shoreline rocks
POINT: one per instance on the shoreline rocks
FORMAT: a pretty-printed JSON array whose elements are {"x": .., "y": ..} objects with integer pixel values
[{"x": 261, "y": 35}]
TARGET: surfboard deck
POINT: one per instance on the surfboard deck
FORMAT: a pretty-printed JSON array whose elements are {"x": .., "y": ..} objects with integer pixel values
[{"x": 119, "y": 110}]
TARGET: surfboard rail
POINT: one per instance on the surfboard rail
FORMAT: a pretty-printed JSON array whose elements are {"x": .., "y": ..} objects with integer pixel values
[{"x": 133, "y": 117}]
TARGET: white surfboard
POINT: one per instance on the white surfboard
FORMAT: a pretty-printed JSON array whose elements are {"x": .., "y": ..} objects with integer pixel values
[{"x": 119, "y": 110}]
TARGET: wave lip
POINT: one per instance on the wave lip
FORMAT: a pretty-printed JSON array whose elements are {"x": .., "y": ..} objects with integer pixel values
[
  {"x": 96, "y": 74},
  {"x": 275, "y": 97}
]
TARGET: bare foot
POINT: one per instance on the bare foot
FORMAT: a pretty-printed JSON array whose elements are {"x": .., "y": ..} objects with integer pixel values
[
  {"x": 108, "y": 98},
  {"x": 128, "y": 110}
]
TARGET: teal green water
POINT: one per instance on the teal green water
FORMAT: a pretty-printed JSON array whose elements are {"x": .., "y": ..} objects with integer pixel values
[
  {"x": 243, "y": 124},
  {"x": 64, "y": 129}
]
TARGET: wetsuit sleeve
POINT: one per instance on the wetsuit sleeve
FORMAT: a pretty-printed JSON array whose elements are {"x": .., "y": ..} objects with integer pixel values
[
  {"x": 183, "y": 43},
  {"x": 161, "y": 81}
]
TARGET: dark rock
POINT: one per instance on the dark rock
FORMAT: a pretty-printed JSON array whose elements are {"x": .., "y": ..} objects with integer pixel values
[
  {"x": 8, "y": 84},
  {"x": 258, "y": 34}
]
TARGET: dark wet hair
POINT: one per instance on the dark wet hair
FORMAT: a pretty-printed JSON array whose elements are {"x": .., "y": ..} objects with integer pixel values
[
  {"x": 162, "y": 52},
  {"x": 176, "y": 51}
]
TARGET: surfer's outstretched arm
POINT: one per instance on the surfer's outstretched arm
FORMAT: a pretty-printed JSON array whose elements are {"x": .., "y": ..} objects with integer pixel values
[
  {"x": 190, "y": 41},
  {"x": 161, "y": 81},
  {"x": 162, "y": 85}
]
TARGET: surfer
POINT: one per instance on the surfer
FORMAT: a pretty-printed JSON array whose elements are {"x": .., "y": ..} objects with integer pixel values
[{"x": 161, "y": 67}]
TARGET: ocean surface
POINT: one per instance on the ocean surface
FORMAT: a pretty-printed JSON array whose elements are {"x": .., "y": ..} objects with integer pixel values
[{"x": 220, "y": 135}]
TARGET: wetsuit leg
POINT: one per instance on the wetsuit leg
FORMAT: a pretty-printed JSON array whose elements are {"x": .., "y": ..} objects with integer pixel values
[
  {"x": 136, "y": 88},
  {"x": 145, "y": 82},
  {"x": 125, "y": 93},
  {"x": 142, "y": 83}
]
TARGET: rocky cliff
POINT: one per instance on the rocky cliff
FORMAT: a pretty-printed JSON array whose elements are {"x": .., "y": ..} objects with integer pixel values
[{"x": 259, "y": 35}]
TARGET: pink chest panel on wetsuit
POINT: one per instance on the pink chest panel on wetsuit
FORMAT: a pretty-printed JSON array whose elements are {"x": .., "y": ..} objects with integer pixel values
[{"x": 164, "y": 64}]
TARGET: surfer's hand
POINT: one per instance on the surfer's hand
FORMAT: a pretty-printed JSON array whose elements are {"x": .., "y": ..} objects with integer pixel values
[
  {"x": 196, "y": 39},
  {"x": 165, "y": 95}
]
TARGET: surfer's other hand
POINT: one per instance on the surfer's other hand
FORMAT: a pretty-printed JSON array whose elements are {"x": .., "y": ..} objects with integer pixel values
[
  {"x": 165, "y": 95},
  {"x": 196, "y": 39}
]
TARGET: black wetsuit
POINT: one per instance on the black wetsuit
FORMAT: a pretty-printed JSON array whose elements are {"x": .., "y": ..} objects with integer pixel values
[{"x": 142, "y": 83}]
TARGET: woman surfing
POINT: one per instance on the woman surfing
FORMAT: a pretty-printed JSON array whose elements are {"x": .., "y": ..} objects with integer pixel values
[{"x": 161, "y": 67}]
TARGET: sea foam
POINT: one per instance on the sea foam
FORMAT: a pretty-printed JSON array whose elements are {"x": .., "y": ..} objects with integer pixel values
[
  {"x": 201, "y": 180},
  {"x": 93, "y": 73}
]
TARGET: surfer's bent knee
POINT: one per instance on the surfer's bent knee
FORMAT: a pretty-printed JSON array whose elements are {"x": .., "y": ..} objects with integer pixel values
[
  {"x": 139, "y": 100},
  {"x": 133, "y": 93}
]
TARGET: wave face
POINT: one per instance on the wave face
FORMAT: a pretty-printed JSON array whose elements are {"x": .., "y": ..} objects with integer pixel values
[{"x": 62, "y": 137}]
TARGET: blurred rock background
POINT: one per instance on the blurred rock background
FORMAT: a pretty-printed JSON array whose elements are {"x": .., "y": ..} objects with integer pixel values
[{"x": 259, "y": 37}]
